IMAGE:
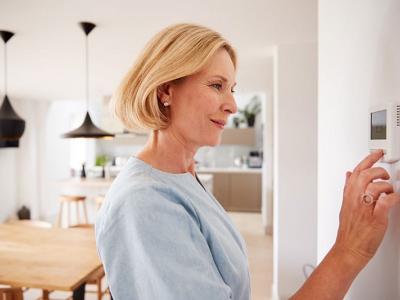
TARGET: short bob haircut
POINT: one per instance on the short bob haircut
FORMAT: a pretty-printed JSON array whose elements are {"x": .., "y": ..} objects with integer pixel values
[{"x": 176, "y": 52}]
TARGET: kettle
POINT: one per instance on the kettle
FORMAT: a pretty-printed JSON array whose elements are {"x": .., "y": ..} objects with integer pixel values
[{"x": 255, "y": 159}]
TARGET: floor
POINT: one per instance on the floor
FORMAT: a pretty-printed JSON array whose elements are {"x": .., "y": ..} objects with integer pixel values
[{"x": 259, "y": 247}]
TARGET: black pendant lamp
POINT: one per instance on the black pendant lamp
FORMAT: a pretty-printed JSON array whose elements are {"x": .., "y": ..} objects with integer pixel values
[
  {"x": 87, "y": 129},
  {"x": 12, "y": 126}
]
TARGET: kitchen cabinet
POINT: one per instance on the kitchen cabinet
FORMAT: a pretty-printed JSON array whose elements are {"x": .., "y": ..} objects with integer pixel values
[
  {"x": 245, "y": 192},
  {"x": 238, "y": 191},
  {"x": 239, "y": 136},
  {"x": 221, "y": 185}
]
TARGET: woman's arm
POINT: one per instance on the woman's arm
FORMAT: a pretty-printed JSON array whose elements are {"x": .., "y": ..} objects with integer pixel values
[
  {"x": 361, "y": 231},
  {"x": 331, "y": 279}
]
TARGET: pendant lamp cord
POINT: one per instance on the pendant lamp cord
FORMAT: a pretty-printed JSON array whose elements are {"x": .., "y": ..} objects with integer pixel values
[
  {"x": 5, "y": 68},
  {"x": 87, "y": 74}
]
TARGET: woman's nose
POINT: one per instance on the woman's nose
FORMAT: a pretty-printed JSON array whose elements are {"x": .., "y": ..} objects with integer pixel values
[{"x": 230, "y": 104}]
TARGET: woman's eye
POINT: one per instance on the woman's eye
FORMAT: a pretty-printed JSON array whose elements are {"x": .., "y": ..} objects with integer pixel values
[{"x": 217, "y": 86}]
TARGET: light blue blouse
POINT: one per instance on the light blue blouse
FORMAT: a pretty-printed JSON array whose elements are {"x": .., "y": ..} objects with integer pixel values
[{"x": 163, "y": 236}]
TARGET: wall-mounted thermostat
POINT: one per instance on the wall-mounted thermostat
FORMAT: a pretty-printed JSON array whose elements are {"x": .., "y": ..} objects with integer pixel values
[{"x": 385, "y": 130}]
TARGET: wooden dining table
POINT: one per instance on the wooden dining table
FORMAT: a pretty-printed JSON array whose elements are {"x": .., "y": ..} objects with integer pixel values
[{"x": 52, "y": 259}]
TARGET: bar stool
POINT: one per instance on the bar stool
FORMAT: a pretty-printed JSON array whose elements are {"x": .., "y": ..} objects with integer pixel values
[{"x": 69, "y": 201}]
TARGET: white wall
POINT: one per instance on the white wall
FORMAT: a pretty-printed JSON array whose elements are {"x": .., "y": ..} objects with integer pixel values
[
  {"x": 29, "y": 154},
  {"x": 18, "y": 177},
  {"x": 8, "y": 181},
  {"x": 359, "y": 66},
  {"x": 295, "y": 165}
]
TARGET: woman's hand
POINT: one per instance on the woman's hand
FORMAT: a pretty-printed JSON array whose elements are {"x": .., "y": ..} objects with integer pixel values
[{"x": 363, "y": 222}]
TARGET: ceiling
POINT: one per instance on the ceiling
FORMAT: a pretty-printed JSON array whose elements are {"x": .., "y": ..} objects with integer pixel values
[{"x": 46, "y": 56}]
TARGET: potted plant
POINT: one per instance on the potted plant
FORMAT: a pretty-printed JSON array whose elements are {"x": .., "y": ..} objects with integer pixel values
[
  {"x": 251, "y": 110},
  {"x": 101, "y": 160},
  {"x": 236, "y": 121}
]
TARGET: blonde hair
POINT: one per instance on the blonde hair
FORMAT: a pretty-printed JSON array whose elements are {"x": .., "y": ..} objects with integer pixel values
[{"x": 176, "y": 52}]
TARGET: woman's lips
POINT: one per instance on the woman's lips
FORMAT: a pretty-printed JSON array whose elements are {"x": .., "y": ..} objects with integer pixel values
[{"x": 219, "y": 123}]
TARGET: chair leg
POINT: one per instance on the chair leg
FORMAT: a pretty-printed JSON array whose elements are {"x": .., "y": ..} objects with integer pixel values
[
  {"x": 69, "y": 214},
  {"x": 85, "y": 213},
  {"x": 79, "y": 293},
  {"x": 59, "y": 216},
  {"x": 78, "y": 216},
  {"x": 45, "y": 295},
  {"x": 99, "y": 290}
]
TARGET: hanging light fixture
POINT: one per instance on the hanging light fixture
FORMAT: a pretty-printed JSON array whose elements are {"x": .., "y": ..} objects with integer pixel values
[
  {"x": 12, "y": 126},
  {"x": 87, "y": 129}
]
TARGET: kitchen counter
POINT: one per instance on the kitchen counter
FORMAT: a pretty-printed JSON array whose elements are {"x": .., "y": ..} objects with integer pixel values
[
  {"x": 86, "y": 182},
  {"x": 92, "y": 183},
  {"x": 204, "y": 170}
]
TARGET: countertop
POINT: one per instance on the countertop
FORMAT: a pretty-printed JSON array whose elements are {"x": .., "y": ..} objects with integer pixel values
[
  {"x": 86, "y": 182},
  {"x": 236, "y": 170},
  {"x": 93, "y": 182}
]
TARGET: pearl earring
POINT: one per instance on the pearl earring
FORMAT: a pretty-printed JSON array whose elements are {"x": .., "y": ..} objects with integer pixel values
[{"x": 166, "y": 104}]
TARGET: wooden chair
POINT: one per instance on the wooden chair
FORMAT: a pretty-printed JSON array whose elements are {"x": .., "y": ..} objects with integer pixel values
[
  {"x": 70, "y": 200},
  {"x": 96, "y": 279},
  {"x": 11, "y": 294}
]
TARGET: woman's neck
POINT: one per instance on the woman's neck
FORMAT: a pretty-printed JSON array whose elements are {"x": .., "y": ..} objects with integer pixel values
[{"x": 168, "y": 152}]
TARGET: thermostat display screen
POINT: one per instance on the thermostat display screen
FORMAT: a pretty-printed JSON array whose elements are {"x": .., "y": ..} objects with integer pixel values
[{"x": 378, "y": 125}]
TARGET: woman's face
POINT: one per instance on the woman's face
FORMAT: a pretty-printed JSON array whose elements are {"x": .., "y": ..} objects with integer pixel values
[{"x": 202, "y": 102}]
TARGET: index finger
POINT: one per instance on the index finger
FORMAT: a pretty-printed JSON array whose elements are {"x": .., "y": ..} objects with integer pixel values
[{"x": 369, "y": 161}]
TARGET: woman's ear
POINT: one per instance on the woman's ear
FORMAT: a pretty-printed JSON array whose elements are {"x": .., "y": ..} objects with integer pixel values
[{"x": 164, "y": 92}]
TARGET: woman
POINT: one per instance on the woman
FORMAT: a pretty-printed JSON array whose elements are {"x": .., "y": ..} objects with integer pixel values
[{"x": 160, "y": 233}]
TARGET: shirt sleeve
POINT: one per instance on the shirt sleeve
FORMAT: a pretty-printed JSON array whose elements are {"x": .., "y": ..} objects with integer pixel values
[{"x": 152, "y": 247}]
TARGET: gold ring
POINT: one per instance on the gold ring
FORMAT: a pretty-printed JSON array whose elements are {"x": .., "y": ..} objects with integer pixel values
[{"x": 367, "y": 199}]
